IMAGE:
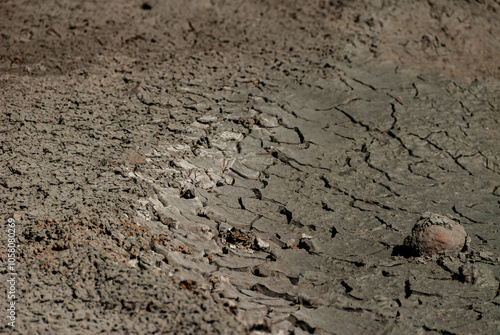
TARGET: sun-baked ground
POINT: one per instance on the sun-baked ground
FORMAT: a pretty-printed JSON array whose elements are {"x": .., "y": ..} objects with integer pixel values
[{"x": 249, "y": 166}]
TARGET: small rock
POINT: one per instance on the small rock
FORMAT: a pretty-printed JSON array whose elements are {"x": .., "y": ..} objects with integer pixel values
[
  {"x": 261, "y": 244},
  {"x": 435, "y": 233},
  {"x": 310, "y": 245}
]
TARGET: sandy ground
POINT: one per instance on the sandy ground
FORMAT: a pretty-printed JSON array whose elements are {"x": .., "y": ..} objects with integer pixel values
[{"x": 229, "y": 167}]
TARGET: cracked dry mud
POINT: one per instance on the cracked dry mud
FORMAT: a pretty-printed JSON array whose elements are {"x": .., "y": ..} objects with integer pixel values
[{"x": 250, "y": 167}]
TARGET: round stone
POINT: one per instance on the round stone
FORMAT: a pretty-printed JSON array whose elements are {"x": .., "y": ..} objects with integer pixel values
[{"x": 435, "y": 233}]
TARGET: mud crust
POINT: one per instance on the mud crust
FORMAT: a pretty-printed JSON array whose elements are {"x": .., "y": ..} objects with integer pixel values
[{"x": 229, "y": 167}]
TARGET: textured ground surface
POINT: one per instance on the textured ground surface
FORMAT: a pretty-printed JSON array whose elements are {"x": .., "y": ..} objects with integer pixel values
[{"x": 251, "y": 166}]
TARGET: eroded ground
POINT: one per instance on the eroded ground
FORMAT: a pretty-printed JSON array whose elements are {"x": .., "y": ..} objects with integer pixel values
[{"x": 223, "y": 167}]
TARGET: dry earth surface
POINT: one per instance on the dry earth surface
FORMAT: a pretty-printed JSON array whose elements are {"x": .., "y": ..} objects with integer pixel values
[{"x": 229, "y": 167}]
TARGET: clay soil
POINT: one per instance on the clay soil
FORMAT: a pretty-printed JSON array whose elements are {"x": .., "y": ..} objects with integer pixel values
[{"x": 249, "y": 167}]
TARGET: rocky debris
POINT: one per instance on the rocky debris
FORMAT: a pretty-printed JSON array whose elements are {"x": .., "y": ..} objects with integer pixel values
[
  {"x": 238, "y": 237},
  {"x": 435, "y": 233},
  {"x": 235, "y": 237}
]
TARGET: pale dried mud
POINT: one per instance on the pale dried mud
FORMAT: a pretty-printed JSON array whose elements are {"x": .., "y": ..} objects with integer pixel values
[{"x": 229, "y": 167}]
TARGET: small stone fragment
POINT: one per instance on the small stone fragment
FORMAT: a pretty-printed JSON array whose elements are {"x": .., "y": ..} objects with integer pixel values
[
  {"x": 435, "y": 233},
  {"x": 261, "y": 244},
  {"x": 310, "y": 245}
]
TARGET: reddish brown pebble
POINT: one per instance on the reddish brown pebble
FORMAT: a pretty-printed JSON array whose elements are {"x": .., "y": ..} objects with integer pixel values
[{"x": 435, "y": 233}]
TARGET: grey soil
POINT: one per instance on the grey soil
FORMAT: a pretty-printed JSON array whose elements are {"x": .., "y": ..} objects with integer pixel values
[{"x": 229, "y": 167}]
